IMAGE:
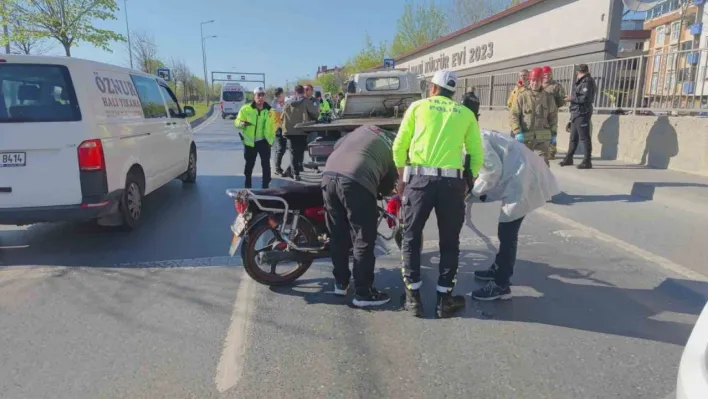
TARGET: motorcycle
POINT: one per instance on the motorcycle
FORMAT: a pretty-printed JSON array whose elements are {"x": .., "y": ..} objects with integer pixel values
[{"x": 289, "y": 222}]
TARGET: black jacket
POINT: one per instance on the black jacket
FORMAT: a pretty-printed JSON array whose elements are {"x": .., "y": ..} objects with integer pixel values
[{"x": 582, "y": 97}]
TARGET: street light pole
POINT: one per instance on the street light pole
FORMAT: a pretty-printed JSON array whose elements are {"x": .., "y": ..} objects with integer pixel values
[
  {"x": 127, "y": 29},
  {"x": 5, "y": 28},
  {"x": 206, "y": 84}
]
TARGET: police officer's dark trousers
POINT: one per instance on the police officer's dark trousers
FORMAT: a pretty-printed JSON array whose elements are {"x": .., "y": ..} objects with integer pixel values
[
  {"x": 281, "y": 144},
  {"x": 580, "y": 131},
  {"x": 351, "y": 219},
  {"x": 261, "y": 148},
  {"x": 423, "y": 194}
]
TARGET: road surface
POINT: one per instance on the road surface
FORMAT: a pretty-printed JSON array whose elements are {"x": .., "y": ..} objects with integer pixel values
[{"x": 606, "y": 292}]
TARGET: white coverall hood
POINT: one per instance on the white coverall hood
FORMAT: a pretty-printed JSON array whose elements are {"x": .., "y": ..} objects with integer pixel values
[{"x": 514, "y": 175}]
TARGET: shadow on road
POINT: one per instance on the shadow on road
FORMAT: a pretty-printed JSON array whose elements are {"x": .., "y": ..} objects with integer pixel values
[
  {"x": 180, "y": 223},
  {"x": 573, "y": 298},
  {"x": 569, "y": 199}
]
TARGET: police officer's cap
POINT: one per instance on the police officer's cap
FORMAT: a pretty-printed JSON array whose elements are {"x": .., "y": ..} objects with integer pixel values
[{"x": 445, "y": 79}]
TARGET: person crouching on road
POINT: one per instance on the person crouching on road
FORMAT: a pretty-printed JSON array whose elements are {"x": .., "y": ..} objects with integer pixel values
[
  {"x": 258, "y": 133},
  {"x": 432, "y": 134},
  {"x": 360, "y": 168},
  {"x": 519, "y": 179},
  {"x": 534, "y": 116}
]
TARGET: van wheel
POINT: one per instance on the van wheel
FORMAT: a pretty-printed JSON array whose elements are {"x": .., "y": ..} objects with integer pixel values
[
  {"x": 190, "y": 176},
  {"x": 131, "y": 204}
]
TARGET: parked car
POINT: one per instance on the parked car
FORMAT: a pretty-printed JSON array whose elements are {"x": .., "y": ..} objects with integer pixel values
[
  {"x": 692, "y": 380},
  {"x": 84, "y": 140}
]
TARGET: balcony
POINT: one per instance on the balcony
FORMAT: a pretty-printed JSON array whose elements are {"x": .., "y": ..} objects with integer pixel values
[
  {"x": 688, "y": 87},
  {"x": 697, "y": 29}
]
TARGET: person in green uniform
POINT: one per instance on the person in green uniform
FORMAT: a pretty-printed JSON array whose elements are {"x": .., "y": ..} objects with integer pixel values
[
  {"x": 431, "y": 139},
  {"x": 257, "y": 133}
]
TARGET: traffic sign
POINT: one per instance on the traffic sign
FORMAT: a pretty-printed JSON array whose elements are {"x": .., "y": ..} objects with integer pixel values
[
  {"x": 165, "y": 74},
  {"x": 389, "y": 63},
  {"x": 243, "y": 77}
]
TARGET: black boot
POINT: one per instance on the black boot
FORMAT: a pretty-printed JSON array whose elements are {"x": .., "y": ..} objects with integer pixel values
[
  {"x": 412, "y": 303},
  {"x": 449, "y": 304},
  {"x": 566, "y": 162},
  {"x": 248, "y": 182},
  {"x": 585, "y": 165}
]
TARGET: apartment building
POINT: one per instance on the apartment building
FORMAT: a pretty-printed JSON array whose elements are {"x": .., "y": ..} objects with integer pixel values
[{"x": 676, "y": 63}]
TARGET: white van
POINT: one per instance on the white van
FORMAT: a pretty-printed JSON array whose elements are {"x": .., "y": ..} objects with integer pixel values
[
  {"x": 232, "y": 99},
  {"x": 84, "y": 140}
]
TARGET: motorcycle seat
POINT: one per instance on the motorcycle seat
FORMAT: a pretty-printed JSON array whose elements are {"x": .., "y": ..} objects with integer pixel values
[{"x": 298, "y": 196}]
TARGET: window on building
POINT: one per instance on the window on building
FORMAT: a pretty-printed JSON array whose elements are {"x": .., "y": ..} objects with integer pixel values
[
  {"x": 660, "y": 37},
  {"x": 639, "y": 46},
  {"x": 670, "y": 82},
  {"x": 654, "y": 83},
  {"x": 658, "y": 55},
  {"x": 675, "y": 31},
  {"x": 671, "y": 58}
]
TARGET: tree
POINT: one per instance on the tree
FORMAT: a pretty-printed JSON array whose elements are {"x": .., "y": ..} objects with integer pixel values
[
  {"x": 331, "y": 82},
  {"x": 145, "y": 52},
  {"x": 71, "y": 21},
  {"x": 418, "y": 25},
  {"x": 180, "y": 74},
  {"x": 28, "y": 43},
  {"x": 368, "y": 57},
  {"x": 467, "y": 12}
]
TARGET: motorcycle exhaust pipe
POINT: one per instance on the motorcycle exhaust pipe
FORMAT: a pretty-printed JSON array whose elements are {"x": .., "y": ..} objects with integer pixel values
[{"x": 268, "y": 257}]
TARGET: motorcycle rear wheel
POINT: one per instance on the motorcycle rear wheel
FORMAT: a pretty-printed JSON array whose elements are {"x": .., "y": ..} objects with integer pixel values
[{"x": 307, "y": 236}]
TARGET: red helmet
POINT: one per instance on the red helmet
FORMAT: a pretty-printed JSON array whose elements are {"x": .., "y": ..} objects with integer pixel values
[
  {"x": 536, "y": 74},
  {"x": 547, "y": 69}
]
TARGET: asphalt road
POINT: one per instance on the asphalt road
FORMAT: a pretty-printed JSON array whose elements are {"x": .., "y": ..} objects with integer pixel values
[{"x": 606, "y": 292}]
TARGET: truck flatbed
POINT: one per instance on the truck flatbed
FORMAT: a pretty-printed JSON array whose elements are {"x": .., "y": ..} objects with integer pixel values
[{"x": 349, "y": 124}]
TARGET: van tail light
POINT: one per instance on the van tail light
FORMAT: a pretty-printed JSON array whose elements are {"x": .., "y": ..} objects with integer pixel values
[
  {"x": 241, "y": 205},
  {"x": 91, "y": 157}
]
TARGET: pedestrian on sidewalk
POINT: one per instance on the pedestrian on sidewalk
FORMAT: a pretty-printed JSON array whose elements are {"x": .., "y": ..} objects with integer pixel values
[
  {"x": 518, "y": 178},
  {"x": 581, "y": 107},
  {"x": 432, "y": 134},
  {"x": 360, "y": 169},
  {"x": 281, "y": 142},
  {"x": 257, "y": 133}
]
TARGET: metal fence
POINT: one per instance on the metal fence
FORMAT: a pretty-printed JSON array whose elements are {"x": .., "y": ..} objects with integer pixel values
[{"x": 661, "y": 82}]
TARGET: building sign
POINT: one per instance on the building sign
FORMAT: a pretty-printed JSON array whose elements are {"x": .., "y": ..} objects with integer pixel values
[
  {"x": 119, "y": 98},
  {"x": 454, "y": 60},
  {"x": 389, "y": 63},
  {"x": 518, "y": 35}
]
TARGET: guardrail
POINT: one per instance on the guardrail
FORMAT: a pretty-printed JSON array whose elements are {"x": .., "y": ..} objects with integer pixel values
[
  {"x": 204, "y": 117},
  {"x": 662, "y": 82}
]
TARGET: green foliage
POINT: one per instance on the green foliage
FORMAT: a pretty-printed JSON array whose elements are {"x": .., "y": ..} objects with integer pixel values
[
  {"x": 418, "y": 25},
  {"x": 331, "y": 82},
  {"x": 70, "y": 21},
  {"x": 368, "y": 57}
]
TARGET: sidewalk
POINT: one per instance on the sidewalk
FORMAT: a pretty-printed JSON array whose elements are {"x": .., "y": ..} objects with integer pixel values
[{"x": 669, "y": 188}]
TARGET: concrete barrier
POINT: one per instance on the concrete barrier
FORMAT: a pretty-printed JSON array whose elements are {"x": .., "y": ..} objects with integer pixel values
[
  {"x": 202, "y": 118},
  {"x": 662, "y": 142}
]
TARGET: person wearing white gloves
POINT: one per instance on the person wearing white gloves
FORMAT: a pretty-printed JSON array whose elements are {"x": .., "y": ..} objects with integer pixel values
[{"x": 522, "y": 181}]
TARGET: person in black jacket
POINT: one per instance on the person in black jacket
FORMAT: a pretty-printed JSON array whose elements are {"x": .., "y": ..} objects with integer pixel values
[{"x": 581, "y": 101}]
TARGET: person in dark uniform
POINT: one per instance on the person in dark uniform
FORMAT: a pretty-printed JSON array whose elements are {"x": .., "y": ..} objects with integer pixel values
[
  {"x": 359, "y": 170},
  {"x": 580, "y": 114}
]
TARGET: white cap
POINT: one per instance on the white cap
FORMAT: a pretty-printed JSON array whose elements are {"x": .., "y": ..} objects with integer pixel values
[
  {"x": 445, "y": 79},
  {"x": 258, "y": 90}
]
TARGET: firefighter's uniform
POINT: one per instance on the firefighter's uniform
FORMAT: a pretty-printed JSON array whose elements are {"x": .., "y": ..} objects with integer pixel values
[
  {"x": 556, "y": 90},
  {"x": 432, "y": 136}
]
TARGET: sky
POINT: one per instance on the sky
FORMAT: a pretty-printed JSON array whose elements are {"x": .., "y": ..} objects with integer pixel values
[{"x": 284, "y": 39}]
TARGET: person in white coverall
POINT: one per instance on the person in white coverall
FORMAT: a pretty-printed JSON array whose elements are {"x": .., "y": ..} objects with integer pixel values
[{"x": 522, "y": 181}]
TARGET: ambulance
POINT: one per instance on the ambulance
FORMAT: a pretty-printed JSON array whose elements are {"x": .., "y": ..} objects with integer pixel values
[{"x": 233, "y": 97}]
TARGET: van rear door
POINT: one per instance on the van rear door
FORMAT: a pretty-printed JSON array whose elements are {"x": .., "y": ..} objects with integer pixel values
[
  {"x": 40, "y": 122},
  {"x": 232, "y": 100}
]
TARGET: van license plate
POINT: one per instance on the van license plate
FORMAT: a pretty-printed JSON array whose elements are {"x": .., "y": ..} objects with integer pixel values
[{"x": 12, "y": 159}]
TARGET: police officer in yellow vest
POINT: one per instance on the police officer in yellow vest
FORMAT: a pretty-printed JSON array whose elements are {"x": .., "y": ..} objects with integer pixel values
[
  {"x": 325, "y": 108},
  {"x": 257, "y": 124},
  {"x": 431, "y": 138}
]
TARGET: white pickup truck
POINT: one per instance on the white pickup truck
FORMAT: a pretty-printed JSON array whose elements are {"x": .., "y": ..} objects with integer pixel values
[{"x": 692, "y": 380}]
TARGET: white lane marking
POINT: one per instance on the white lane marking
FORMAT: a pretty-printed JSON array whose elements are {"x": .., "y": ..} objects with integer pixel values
[
  {"x": 230, "y": 368},
  {"x": 205, "y": 123},
  {"x": 634, "y": 250}
]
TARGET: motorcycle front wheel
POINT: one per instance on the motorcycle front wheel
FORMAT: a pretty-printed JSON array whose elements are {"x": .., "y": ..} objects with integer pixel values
[{"x": 261, "y": 237}]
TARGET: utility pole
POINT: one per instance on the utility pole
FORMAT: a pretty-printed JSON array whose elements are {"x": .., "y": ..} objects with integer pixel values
[
  {"x": 206, "y": 83},
  {"x": 127, "y": 30}
]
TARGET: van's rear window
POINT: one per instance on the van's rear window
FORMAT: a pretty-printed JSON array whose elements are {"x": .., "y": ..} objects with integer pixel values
[
  {"x": 37, "y": 93},
  {"x": 233, "y": 96}
]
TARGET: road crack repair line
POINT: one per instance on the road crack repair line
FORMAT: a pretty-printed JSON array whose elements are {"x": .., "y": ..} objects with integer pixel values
[{"x": 230, "y": 368}]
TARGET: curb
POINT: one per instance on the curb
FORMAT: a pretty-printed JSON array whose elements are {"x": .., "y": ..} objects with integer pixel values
[{"x": 202, "y": 118}]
